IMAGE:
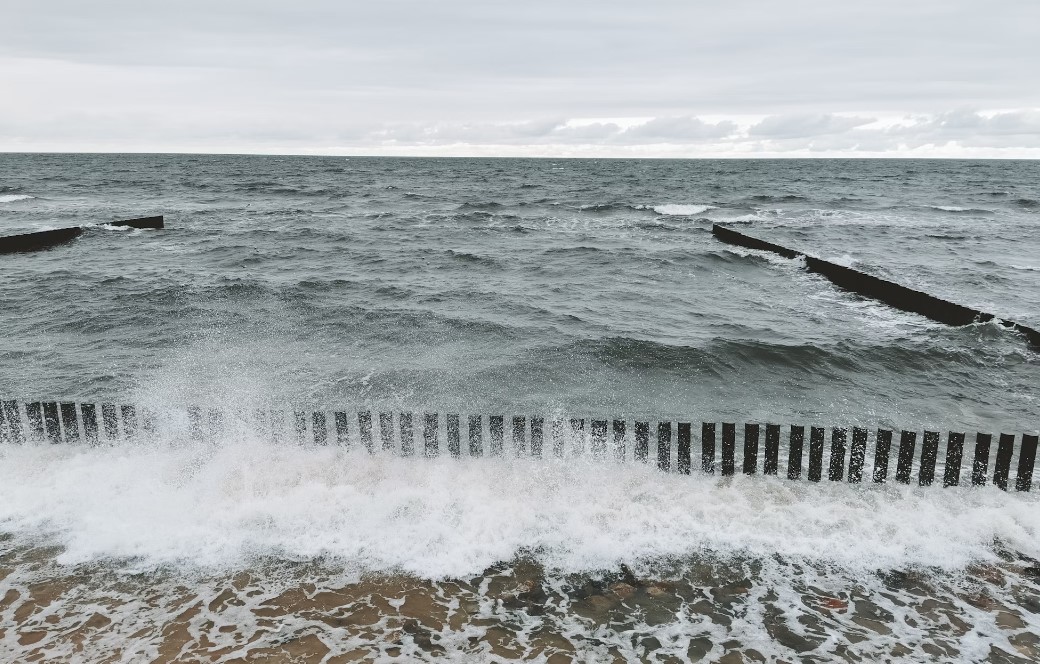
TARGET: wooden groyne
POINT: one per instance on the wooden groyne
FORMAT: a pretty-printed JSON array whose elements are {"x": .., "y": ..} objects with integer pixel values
[
  {"x": 46, "y": 239},
  {"x": 837, "y": 453},
  {"x": 888, "y": 292}
]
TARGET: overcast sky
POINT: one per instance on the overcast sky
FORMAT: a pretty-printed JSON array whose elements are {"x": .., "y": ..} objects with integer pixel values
[{"x": 524, "y": 77}]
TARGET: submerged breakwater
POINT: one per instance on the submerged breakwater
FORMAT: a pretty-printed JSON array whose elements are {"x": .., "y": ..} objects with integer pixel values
[{"x": 577, "y": 294}]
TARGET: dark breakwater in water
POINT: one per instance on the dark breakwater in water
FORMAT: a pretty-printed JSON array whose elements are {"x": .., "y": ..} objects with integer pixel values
[{"x": 509, "y": 286}]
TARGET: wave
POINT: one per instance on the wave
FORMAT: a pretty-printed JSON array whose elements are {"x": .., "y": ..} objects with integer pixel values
[
  {"x": 11, "y": 198},
  {"x": 960, "y": 210},
  {"x": 472, "y": 259},
  {"x": 222, "y": 506},
  {"x": 681, "y": 209},
  {"x": 947, "y": 236},
  {"x": 481, "y": 206},
  {"x": 788, "y": 198}
]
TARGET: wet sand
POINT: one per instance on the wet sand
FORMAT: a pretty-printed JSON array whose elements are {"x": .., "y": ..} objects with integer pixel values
[{"x": 711, "y": 608}]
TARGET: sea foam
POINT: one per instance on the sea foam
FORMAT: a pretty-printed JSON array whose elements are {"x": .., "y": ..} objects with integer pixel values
[
  {"x": 222, "y": 506},
  {"x": 682, "y": 210}
]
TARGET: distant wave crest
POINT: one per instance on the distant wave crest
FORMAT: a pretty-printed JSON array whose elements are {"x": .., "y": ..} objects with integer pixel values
[
  {"x": 682, "y": 209},
  {"x": 11, "y": 198},
  {"x": 954, "y": 208}
]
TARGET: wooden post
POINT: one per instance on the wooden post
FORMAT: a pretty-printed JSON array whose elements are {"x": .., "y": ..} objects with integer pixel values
[
  {"x": 34, "y": 414},
  {"x": 90, "y": 423},
  {"x": 279, "y": 426},
  {"x": 50, "y": 422},
  {"x": 454, "y": 437},
  {"x": 111, "y": 421},
  {"x": 772, "y": 461},
  {"x": 751, "y": 432},
  {"x": 664, "y": 446},
  {"x": 195, "y": 430},
  {"x": 794, "y": 453},
  {"x": 954, "y": 454},
  {"x": 599, "y": 438},
  {"x": 980, "y": 464},
  {"x": 365, "y": 429},
  {"x": 682, "y": 454},
  {"x": 1026, "y": 461},
  {"x": 882, "y": 450},
  {"x": 557, "y": 437},
  {"x": 129, "y": 416},
  {"x": 496, "y": 426},
  {"x": 857, "y": 454},
  {"x": 300, "y": 421},
  {"x": 476, "y": 435},
  {"x": 519, "y": 435},
  {"x": 342, "y": 428},
  {"x": 708, "y": 447},
  {"x": 578, "y": 435},
  {"x": 1005, "y": 448},
  {"x": 642, "y": 450},
  {"x": 619, "y": 439},
  {"x": 407, "y": 434},
  {"x": 431, "y": 445},
  {"x": 70, "y": 422},
  {"x": 905, "y": 463},
  {"x": 815, "y": 454},
  {"x": 929, "y": 455},
  {"x": 216, "y": 423},
  {"x": 386, "y": 430},
  {"x": 321, "y": 428},
  {"x": 148, "y": 423},
  {"x": 13, "y": 416},
  {"x": 729, "y": 448},
  {"x": 261, "y": 423},
  {"x": 839, "y": 441},
  {"x": 537, "y": 436}
]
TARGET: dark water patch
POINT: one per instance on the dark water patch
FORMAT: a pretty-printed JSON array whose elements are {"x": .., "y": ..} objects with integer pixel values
[
  {"x": 1027, "y": 203},
  {"x": 471, "y": 259},
  {"x": 948, "y": 236},
  {"x": 487, "y": 206},
  {"x": 779, "y": 198},
  {"x": 575, "y": 251}
]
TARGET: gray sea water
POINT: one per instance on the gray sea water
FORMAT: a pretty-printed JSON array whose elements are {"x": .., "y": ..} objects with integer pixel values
[
  {"x": 525, "y": 284},
  {"x": 510, "y": 286}
]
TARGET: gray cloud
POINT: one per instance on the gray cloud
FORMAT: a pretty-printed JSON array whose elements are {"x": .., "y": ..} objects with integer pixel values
[
  {"x": 319, "y": 74},
  {"x": 802, "y": 126}
]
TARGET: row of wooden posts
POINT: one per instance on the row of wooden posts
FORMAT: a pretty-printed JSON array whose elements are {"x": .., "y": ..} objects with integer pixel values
[{"x": 71, "y": 422}]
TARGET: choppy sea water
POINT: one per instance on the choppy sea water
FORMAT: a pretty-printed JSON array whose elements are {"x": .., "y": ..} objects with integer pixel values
[{"x": 591, "y": 287}]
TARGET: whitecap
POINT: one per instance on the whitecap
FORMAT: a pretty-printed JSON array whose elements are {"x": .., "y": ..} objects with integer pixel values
[
  {"x": 11, "y": 198},
  {"x": 682, "y": 210}
]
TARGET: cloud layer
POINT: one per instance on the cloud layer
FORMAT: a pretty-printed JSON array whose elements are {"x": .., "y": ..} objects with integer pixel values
[{"x": 745, "y": 77}]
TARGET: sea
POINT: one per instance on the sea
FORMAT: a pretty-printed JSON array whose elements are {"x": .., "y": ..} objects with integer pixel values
[{"x": 556, "y": 288}]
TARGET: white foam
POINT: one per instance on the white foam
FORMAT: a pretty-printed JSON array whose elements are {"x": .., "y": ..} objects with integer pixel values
[
  {"x": 955, "y": 208},
  {"x": 682, "y": 210},
  {"x": 435, "y": 518},
  {"x": 11, "y": 198}
]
